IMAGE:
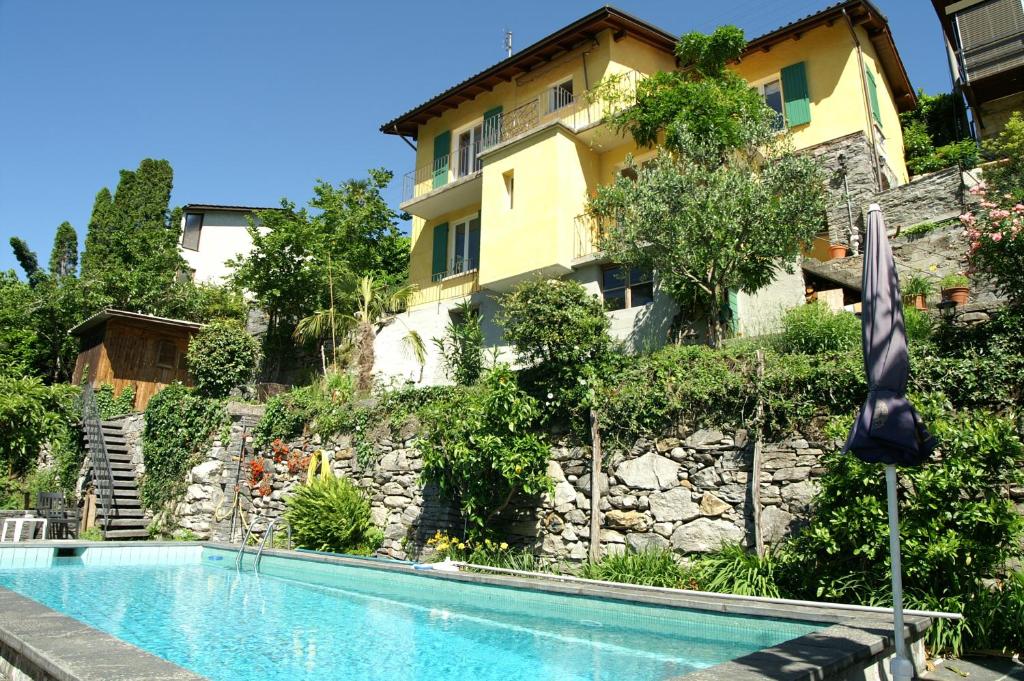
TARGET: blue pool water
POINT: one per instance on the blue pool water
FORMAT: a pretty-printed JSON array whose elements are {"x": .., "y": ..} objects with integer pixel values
[{"x": 302, "y": 620}]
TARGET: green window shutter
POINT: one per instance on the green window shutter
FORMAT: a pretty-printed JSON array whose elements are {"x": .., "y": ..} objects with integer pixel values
[
  {"x": 440, "y": 261},
  {"x": 795, "y": 95},
  {"x": 492, "y": 127},
  {"x": 442, "y": 148},
  {"x": 873, "y": 93},
  {"x": 734, "y": 311}
]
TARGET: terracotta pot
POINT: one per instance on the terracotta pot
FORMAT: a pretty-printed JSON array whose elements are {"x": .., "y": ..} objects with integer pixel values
[
  {"x": 919, "y": 302},
  {"x": 958, "y": 294},
  {"x": 837, "y": 251}
]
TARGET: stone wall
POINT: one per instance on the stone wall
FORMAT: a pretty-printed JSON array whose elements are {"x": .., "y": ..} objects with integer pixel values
[{"x": 689, "y": 491}]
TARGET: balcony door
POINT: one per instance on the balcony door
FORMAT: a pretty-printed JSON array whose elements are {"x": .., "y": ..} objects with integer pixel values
[
  {"x": 466, "y": 245},
  {"x": 470, "y": 141}
]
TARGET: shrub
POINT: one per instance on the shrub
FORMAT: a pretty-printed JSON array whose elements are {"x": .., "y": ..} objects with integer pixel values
[
  {"x": 1006, "y": 176},
  {"x": 331, "y": 514},
  {"x": 918, "y": 325},
  {"x": 462, "y": 348},
  {"x": 221, "y": 357},
  {"x": 654, "y": 567},
  {"x": 179, "y": 423},
  {"x": 488, "y": 552},
  {"x": 734, "y": 569},
  {"x": 996, "y": 247},
  {"x": 110, "y": 405},
  {"x": 561, "y": 331},
  {"x": 813, "y": 329},
  {"x": 486, "y": 455},
  {"x": 30, "y": 414}
]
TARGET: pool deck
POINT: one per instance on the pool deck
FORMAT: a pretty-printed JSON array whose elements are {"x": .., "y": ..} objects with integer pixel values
[{"x": 852, "y": 644}]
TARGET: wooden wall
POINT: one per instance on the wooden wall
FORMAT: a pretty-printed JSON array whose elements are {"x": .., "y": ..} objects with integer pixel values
[{"x": 125, "y": 352}]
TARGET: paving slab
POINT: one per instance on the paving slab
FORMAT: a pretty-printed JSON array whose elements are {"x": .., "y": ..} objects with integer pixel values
[{"x": 978, "y": 669}]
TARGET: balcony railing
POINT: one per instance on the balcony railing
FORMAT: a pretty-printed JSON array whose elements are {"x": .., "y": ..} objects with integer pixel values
[
  {"x": 458, "y": 265},
  {"x": 575, "y": 112},
  {"x": 588, "y": 233}
]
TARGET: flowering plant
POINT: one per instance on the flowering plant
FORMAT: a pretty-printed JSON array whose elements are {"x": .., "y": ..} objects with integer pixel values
[
  {"x": 465, "y": 550},
  {"x": 996, "y": 245}
]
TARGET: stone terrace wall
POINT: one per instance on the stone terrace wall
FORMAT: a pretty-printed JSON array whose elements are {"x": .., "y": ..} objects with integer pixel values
[{"x": 689, "y": 491}]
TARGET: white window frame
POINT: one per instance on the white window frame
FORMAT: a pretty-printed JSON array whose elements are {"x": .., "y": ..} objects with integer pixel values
[
  {"x": 759, "y": 86},
  {"x": 184, "y": 225},
  {"x": 453, "y": 155},
  {"x": 549, "y": 93},
  {"x": 465, "y": 220}
]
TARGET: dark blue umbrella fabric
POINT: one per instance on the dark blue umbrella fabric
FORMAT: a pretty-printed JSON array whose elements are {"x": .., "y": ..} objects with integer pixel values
[{"x": 887, "y": 430}]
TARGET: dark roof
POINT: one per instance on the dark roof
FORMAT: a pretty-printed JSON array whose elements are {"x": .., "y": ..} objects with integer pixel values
[
  {"x": 216, "y": 206},
  {"x": 110, "y": 313},
  {"x": 585, "y": 29},
  {"x": 544, "y": 50}
]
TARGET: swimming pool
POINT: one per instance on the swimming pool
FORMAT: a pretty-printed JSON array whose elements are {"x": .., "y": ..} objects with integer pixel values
[{"x": 305, "y": 619}]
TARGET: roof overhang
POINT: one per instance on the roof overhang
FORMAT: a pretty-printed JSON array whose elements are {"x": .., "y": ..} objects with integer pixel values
[
  {"x": 227, "y": 209},
  {"x": 860, "y": 12},
  {"x": 106, "y": 315}
]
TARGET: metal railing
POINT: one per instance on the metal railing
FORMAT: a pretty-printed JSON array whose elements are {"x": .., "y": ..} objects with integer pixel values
[
  {"x": 588, "y": 233},
  {"x": 458, "y": 265},
  {"x": 576, "y": 112},
  {"x": 102, "y": 472},
  {"x": 269, "y": 532}
]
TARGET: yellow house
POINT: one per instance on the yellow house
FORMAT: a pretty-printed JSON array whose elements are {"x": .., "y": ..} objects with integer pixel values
[{"x": 506, "y": 159}]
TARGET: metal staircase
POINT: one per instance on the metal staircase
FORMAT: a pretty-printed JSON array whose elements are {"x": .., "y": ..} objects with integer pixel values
[{"x": 119, "y": 512}]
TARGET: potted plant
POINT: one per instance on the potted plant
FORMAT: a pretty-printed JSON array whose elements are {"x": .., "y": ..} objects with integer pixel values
[
  {"x": 916, "y": 289},
  {"x": 955, "y": 288},
  {"x": 837, "y": 251}
]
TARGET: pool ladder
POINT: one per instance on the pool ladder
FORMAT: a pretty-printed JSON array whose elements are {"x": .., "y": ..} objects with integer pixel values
[{"x": 259, "y": 551}]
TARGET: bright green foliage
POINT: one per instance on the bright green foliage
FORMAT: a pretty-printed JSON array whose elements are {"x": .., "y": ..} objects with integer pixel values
[
  {"x": 21, "y": 349},
  {"x": 304, "y": 262},
  {"x": 936, "y": 135},
  {"x": 1007, "y": 176},
  {"x": 957, "y": 526},
  {"x": 487, "y": 454},
  {"x": 27, "y": 258},
  {"x": 221, "y": 357},
  {"x": 64, "y": 255},
  {"x": 655, "y": 567},
  {"x": 462, "y": 347},
  {"x": 561, "y": 332},
  {"x": 204, "y": 302},
  {"x": 179, "y": 424},
  {"x": 30, "y": 413},
  {"x": 110, "y": 405},
  {"x": 131, "y": 247},
  {"x": 726, "y": 204},
  {"x": 734, "y": 569},
  {"x": 813, "y": 329},
  {"x": 331, "y": 514}
]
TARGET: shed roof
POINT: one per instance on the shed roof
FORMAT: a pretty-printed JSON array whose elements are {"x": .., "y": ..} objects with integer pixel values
[
  {"x": 111, "y": 313},
  {"x": 226, "y": 208}
]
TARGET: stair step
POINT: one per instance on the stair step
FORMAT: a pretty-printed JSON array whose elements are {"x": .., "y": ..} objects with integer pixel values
[
  {"x": 125, "y": 534},
  {"x": 121, "y": 513},
  {"x": 127, "y": 523},
  {"x": 120, "y": 488},
  {"x": 122, "y": 504},
  {"x": 111, "y": 448}
]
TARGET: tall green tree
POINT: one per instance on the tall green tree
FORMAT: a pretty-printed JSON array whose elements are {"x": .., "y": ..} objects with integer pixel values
[
  {"x": 64, "y": 256},
  {"x": 726, "y": 204},
  {"x": 132, "y": 245},
  {"x": 26, "y": 257},
  {"x": 307, "y": 263}
]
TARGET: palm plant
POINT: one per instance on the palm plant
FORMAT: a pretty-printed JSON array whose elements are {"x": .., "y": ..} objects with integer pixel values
[{"x": 375, "y": 303}]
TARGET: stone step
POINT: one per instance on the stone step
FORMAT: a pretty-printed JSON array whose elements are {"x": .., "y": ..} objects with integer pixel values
[
  {"x": 119, "y": 512},
  {"x": 126, "y": 523},
  {"x": 118, "y": 485},
  {"x": 131, "y": 504},
  {"x": 125, "y": 534}
]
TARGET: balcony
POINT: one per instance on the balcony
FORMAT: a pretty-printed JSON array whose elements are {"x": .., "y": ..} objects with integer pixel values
[
  {"x": 453, "y": 180},
  {"x": 588, "y": 231},
  {"x": 458, "y": 281}
]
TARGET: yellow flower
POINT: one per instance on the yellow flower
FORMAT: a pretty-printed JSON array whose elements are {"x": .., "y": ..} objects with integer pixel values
[
  {"x": 462, "y": 546},
  {"x": 503, "y": 546}
]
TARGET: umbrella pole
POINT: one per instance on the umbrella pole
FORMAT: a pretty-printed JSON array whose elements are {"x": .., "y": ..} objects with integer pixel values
[{"x": 901, "y": 666}]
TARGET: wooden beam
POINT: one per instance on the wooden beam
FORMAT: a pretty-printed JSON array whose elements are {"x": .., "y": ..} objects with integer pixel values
[{"x": 619, "y": 35}]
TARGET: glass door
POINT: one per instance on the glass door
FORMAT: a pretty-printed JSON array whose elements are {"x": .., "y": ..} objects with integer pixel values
[{"x": 469, "y": 150}]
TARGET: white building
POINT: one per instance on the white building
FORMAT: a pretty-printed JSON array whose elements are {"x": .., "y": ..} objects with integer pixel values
[{"x": 211, "y": 235}]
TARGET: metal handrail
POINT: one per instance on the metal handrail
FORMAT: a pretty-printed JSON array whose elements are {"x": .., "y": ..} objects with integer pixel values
[
  {"x": 270, "y": 533},
  {"x": 241, "y": 549},
  {"x": 93, "y": 426}
]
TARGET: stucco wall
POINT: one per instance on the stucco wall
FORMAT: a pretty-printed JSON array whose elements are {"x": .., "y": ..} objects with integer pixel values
[{"x": 224, "y": 236}]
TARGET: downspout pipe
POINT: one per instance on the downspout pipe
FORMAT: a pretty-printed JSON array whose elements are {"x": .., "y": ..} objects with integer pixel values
[{"x": 866, "y": 98}]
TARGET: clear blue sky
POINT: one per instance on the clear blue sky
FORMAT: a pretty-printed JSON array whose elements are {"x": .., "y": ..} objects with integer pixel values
[{"x": 252, "y": 100}]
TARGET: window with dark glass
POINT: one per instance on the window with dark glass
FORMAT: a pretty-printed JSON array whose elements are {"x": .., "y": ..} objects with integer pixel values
[
  {"x": 193, "y": 228},
  {"x": 466, "y": 254},
  {"x": 166, "y": 354},
  {"x": 625, "y": 287},
  {"x": 772, "y": 93}
]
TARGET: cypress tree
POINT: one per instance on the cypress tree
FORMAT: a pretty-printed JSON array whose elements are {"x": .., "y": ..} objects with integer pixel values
[
  {"x": 99, "y": 235},
  {"x": 64, "y": 256},
  {"x": 26, "y": 258}
]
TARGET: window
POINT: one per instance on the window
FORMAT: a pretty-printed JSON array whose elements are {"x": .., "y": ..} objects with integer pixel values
[
  {"x": 166, "y": 354},
  {"x": 466, "y": 246},
  {"x": 185, "y": 275},
  {"x": 510, "y": 188},
  {"x": 772, "y": 93},
  {"x": 469, "y": 150},
  {"x": 560, "y": 96},
  {"x": 626, "y": 287},
  {"x": 193, "y": 228}
]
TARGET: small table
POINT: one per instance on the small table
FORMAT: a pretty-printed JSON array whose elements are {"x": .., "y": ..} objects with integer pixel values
[{"x": 18, "y": 524}]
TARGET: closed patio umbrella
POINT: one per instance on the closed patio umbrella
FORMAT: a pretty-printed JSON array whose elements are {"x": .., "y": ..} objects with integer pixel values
[{"x": 887, "y": 430}]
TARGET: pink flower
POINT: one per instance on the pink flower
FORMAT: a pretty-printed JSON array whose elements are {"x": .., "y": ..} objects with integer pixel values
[
  {"x": 1019, "y": 208},
  {"x": 967, "y": 218},
  {"x": 998, "y": 214},
  {"x": 976, "y": 245},
  {"x": 996, "y": 236},
  {"x": 987, "y": 204}
]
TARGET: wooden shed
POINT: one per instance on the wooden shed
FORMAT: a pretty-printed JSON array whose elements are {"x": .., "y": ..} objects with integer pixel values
[{"x": 128, "y": 348}]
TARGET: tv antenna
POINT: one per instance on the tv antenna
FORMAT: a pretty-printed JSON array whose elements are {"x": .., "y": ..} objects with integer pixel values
[{"x": 508, "y": 43}]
